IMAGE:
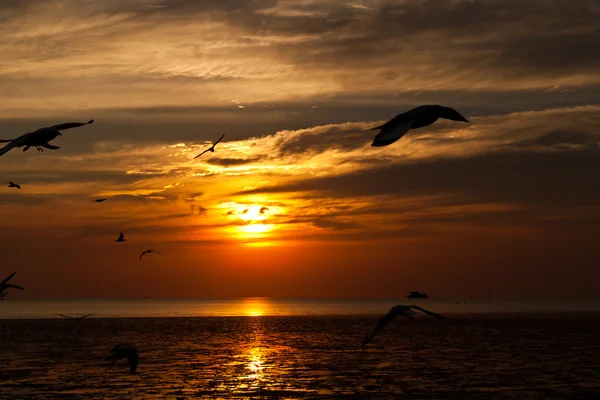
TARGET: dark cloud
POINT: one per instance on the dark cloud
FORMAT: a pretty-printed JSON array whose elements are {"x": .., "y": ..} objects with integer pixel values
[
  {"x": 560, "y": 138},
  {"x": 331, "y": 223},
  {"x": 229, "y": 162}
]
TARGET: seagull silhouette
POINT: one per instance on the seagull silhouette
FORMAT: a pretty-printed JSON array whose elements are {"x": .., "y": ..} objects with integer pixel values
[
  {"x": 148, "y": 252},
  {"x": 121, "y": 238},
  {"x": 76, "y": 318},
  {"x": 12, "y": 184},
  {"x": 99, "y": 200},
  {"x": 41, "y": 137},
  {"x": 394, "y": 312},
  {"x": 5, "y": 285},
  {"x": 418, "y": 117},
  {"x": 416, "y": 295},
  {"x": 211, "y": 148},
  {"x": 127, "y": 351}
]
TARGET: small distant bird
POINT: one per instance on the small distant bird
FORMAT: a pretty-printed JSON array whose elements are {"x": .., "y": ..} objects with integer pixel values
[
  {"x": 416, "y": 295},
  {"x": 397, "y": 311},
  {"x": 12, "y": 184},
  {"x": 127, "y": 351},
  {"x": 418, "y": 117},
  {"x": 263, "y": 210},
  {"x": 41, "y": 137},
  {"x": 148, "y": 252},
  {"x": 121, "y": 238},
  {"x": 5, "y": 285},
  {"x": 99, "y": 200},
  {"x": 76, "y": 318},
  {"x": 212, "y": 148}
]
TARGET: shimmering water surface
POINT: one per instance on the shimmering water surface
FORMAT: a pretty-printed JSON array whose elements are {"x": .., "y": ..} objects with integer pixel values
[{"x": 305, "y": 352}]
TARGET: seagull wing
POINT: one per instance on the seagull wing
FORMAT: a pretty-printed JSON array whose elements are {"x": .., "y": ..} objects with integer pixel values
[
  {"x": 66, "y": 316},
  {"x": 392, "y": 131},
  {"x": 379, "y": 325},
  {"x": 142, "y": 255},
  {"x": 438, "y": 316},
  {"x": 85, "y": 316},
  {"x": 18, "y": 142},
  {"x": 69, "y": 125},
  {"x": 14, "y": 286},
  {"x": 202, "y": 153},
  {"x": 7, "y": 279},
  {"x": 221, "y": 138}
]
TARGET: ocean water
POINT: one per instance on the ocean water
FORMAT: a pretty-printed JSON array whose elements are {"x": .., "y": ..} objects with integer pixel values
[{"x": 257, "y": 306}]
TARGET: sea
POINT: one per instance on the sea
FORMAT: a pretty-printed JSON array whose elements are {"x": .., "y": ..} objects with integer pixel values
[{"x": 276, "y": 349}]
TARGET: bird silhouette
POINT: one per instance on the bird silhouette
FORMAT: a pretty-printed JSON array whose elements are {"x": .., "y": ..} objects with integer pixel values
[
  {"x": 121, "y": 238},
  {"x": 77, "y": 318},
  {"x": 148, "y": 252},
  {"x": 127, "y": 351},
  {"x": 12, "y": 184},
  {"x": 416, "y": 118},
  {"x": 40, "y": 138},
  {"x": 99, "y": 200},
  {"x": 4, "y": 285},
  {"x": 393, "y": 313},
  {"x": 211, "y": 148}
]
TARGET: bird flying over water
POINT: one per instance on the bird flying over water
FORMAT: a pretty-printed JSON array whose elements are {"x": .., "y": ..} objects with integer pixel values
[
  {"x": 418, "y": 117},
  {"x": 121, "y": 238},
  {"x": 77, "y": 318},
  {"x": 416, "y": 295},
  {"x": 127, "y": 351},
  {"x": 148, "y": 251},
  {"x": 12, "y": 184},
  {"x": 211, "y": 148},
  {"x": 5, "y": 285},
  {"x": 40, "y": 138},
  {"x": 99, "y": 200},
  {"x": 396, "y": 311}
]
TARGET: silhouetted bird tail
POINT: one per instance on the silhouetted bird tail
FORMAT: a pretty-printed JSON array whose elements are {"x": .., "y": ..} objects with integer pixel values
[{"x": 134, "y": 359}]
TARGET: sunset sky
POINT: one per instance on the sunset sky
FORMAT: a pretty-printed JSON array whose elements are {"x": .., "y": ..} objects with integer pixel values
[{"x": 295, "y": 202}]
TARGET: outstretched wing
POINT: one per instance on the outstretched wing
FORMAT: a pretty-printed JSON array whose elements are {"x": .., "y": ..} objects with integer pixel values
[
  {"x": 221, "y": 138},
  {"x": 85, "y": 316},
  {"x": 15, "y": 286},
  {"x": 142, "y": 255},
  {"x": 7, "y": 278},
  {"x": 66, "y": 316},
  {"x": 49, "y": 146},
  {"x": 202, "y": 153},
  {"x": 18, "y": 142},
  {"x": 438, "y": 316},
  {"x": 379, "y": 325},
  {"x": 392, "y": 131},
  {"x": 69, "y": 125}
]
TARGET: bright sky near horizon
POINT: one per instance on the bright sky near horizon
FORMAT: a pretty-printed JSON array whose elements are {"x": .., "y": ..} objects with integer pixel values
[{"x": 295, "y": 202}]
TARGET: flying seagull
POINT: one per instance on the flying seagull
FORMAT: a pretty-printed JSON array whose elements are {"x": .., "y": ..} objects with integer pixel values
[
  {"x": 99, "y": 200},
  {"x": 41, "y": 137},
  {"x": 147, "y": 251},
  {"x": 397, "y": 311},
  {"x": 211, "y": 148},
  {"x": 127, "y": 351},
  {"x": 76, "y": 318},
  {"x": 121, "y": 238},
  {"x": 5, "y": 285},
  {"x": 416, "y": 295},
  {"x": 12, "y": 184},
  {"x": 418, "y": 117}
]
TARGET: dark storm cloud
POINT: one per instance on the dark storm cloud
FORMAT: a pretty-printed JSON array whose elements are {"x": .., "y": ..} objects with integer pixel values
[
  {"x": 229, "y": 161},
  {"x": 562, "y": 138}
]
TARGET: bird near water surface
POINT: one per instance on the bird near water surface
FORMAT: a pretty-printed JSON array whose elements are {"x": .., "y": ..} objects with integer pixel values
[
  {"x": 418, "y": 117},
  {"x": 127, "y": 351},
  {"x": 76, "y": 318},
  {"x": 12, "y": 184},
  {"x": 393, "y": 313},
  {"x": 40, "y": 139},
  {"x": 211, "y": 148},
  {"x": 99, "y": 200}
]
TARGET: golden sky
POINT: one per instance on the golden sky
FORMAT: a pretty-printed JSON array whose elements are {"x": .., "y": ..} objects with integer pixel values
[{"x": 295, "y": 202}]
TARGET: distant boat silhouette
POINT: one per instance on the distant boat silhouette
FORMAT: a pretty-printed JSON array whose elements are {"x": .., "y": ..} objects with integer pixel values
[
  {"x": 416, "y": 295},
  {"x": 121, "y": 238}
]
